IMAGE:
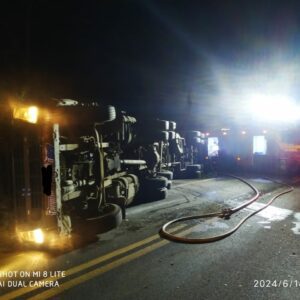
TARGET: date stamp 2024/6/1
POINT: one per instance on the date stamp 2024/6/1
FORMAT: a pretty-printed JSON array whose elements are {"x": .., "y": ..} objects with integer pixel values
[{"x": 269, "y": 283}]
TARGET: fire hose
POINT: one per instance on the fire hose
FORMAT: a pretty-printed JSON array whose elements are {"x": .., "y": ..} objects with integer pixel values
[{"x": 225, "y": 214}]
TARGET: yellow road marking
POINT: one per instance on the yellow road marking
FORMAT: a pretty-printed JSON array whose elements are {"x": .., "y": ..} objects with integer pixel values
[
  {"x": 101, "y": 270},
  {"x": 86, "y": 265}
]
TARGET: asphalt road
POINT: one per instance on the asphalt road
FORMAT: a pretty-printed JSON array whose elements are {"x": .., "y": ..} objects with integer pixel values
[{"x": 259, "y": 261}]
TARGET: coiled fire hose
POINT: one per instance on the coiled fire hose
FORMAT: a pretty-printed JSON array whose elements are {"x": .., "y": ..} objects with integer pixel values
[{"x": 225, "y": 214}]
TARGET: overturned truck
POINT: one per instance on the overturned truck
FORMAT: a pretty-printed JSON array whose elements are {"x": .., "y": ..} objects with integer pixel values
[{"x": 72, "y": 169}]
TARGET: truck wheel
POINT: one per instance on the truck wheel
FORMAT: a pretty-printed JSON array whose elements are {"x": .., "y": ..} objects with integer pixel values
[
  {"x": 156, "y": 136},
  {"x": 193, "y": 171},
  {"x": 196, "y": 140},
  {"x": 156, "y": 183},
  {"x": 169, "y": 185},
  {"x": 110, "y": 218},
  {"x": 167, "y": 174},
  {"x": 106, "y": 113},
  {"x": 193, "y": 168},
  {"x": 154, "y": 125},
  {"x": 172, "y": 135},
  {"x": 176, "y": 169},
  {"x": 159, "y": 194},
  {"x": 162, "y": 124},
  {"x": 162, "y": 136},
  {"x": 193, "y": 133},
  {"x": 193, "y": 175},
  {"x": 198, "y": 174},
  {"x": 172, "y": 125}
]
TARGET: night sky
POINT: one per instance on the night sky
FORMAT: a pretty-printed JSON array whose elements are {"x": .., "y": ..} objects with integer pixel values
[{"x": 186, "y": 60}]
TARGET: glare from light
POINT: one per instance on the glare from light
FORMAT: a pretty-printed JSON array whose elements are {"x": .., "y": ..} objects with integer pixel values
[
  {"x": 28, "y": 114},
  {"x": 33, "y": 236},
  {"x": 243, "y": 132},
  {"x": 224, "y": 133},
  {"x": 273, "y": 108},
  {"x": 260, "y": 145},
  {"x": 265, "y": 131},
  {"x": 38, "y": 236},
  {"x": 32, "y": 114},
  {"x": 207, "y": 134}
]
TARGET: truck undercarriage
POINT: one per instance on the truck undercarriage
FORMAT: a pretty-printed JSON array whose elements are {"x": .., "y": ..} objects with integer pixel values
[{"x": 76, "y": 169}]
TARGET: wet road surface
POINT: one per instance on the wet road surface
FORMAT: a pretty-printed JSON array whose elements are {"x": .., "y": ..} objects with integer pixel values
[{"x": 260, "y": 261}]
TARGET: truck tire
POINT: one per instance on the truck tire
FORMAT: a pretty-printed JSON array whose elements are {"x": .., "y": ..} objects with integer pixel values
[
  {"x": 172, "y": 125},
  {"x": 110, "y": 218},
  {"x": 106, "y": 113},
  {"x": 167, "y": 174},
  {"x": 155, "y": 125},
  {"x": 193, "y": 168},
  {"x": 162, "y": 136},
  {"x": 193, "y": 171},
  {"x": 172, "y": 135},
  {"x": 193, "y": 133},
  {"x": 153, "y": 183},
  {"x": 176, "y": 166},
  {"x": 169, "y": 185},
  {"x": 162, "y": 124},
  {"x": 198, "y": 174},
  {"x": 159, "y": 194},
  {"x": 196, "y": 140},
  {"x": 155, "y": 136}
]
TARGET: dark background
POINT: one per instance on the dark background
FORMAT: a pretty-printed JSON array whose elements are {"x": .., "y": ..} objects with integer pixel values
[{"x": 160, "y": 58}]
